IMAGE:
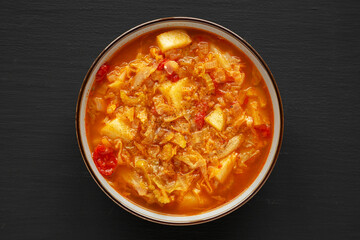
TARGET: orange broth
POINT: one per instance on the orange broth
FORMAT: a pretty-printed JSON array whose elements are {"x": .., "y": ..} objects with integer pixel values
[{"x": 147, "y": 170}]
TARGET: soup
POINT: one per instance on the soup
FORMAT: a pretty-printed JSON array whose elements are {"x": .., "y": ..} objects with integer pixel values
[{"x": 179, "y": 121}]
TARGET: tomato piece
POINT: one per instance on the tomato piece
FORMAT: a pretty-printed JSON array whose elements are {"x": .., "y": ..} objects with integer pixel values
[
  {"x": 246, "y": 100},
  {"x": 217, "y": 90},
  {"x": 174, "y": 77},
  {"x": 201, "y": 114},
  {"x": 105, "y": 160},
  {"x": 102, "y": 72},
  {"x": 199, "y": 120},
  {"x": 162, "y": 63},
  {"x": 263, "y": 129}
]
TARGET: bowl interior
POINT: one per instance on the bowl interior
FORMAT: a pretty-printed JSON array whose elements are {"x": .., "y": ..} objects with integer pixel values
[{"x": 253, "y": 56}]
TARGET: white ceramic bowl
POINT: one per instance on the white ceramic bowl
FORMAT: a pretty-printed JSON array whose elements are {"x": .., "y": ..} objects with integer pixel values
[{"x": 254, "y": 57}]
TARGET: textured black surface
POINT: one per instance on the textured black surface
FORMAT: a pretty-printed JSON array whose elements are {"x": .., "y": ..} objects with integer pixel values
[{"x": 312, "y": 48}]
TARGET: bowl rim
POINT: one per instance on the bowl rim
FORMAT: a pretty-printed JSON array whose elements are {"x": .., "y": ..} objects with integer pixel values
[{"x": 180, "y": 18}]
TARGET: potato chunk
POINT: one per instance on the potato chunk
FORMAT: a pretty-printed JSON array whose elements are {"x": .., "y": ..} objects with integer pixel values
[
  {"x": 174, "y": 92},
  {"x": 223, "y": 61},
  {"x": 118, "y": 129},
  {"x": 173, "y": 39},
  {"x": 227, "y": 165},
  {"x": 259, "y": 116},
  {"x": 216, "y": 119},
  {"x": 259, "y": 93},
  {"x": 189, "y": 201}
]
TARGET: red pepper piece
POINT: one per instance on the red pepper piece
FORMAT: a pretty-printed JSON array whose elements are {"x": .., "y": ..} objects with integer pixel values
[
  {"x": 199, "y": 120},
  {"x": 217, "y": 90},
  {"x": 246, "y": 100},
  {"x": 201, "y": 114},
  {"x": 174, "y": 77},
  {"x": 104, "y": 159},
  {"x": 162, "y": 63},
  {"x": 101, "y": 73},
  {"x": 263, "y": 129}
]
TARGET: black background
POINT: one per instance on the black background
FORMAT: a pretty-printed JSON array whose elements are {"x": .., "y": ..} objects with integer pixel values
[{"x": 312, "y": 48}]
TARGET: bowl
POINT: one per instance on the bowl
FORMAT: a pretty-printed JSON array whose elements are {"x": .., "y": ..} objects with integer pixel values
[{"x": 237, "y": 41}]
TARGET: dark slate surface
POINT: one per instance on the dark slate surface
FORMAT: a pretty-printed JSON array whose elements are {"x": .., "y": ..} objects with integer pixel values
[{"x": 312, "y": 48}]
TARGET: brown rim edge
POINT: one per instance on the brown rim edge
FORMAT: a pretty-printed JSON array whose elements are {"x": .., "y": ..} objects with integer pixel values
[{"x": 80, "y": 97}]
